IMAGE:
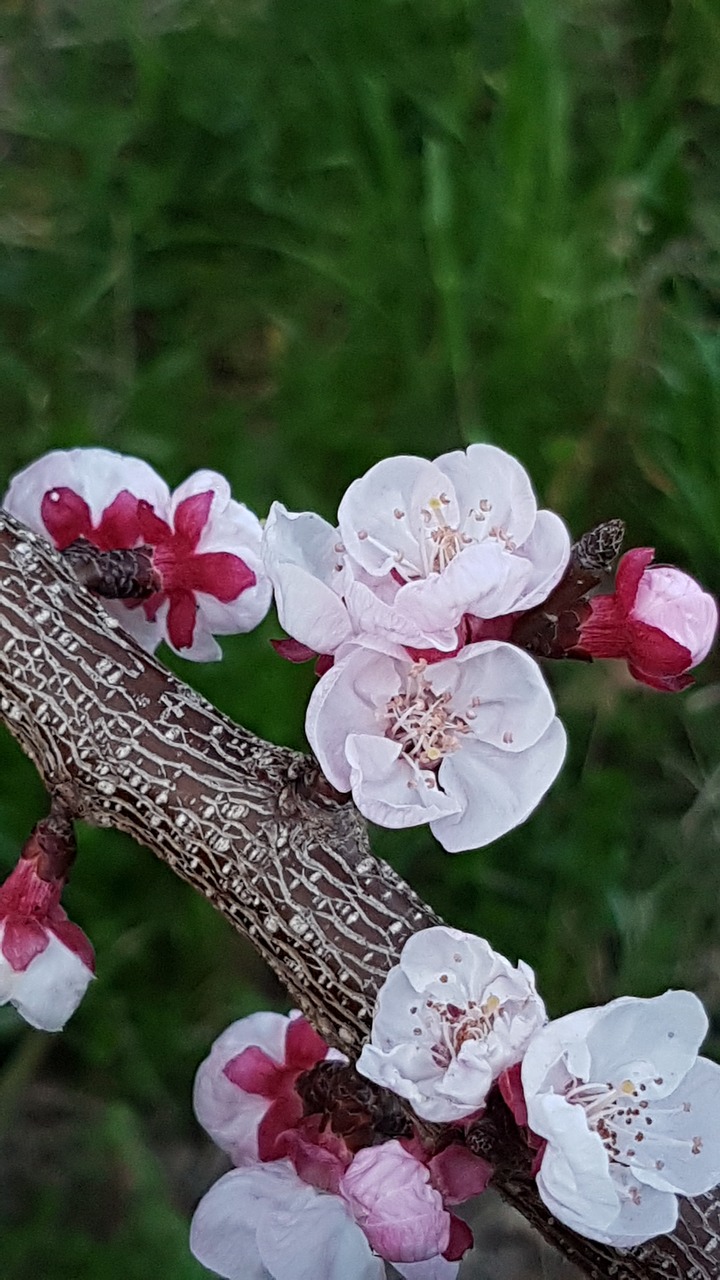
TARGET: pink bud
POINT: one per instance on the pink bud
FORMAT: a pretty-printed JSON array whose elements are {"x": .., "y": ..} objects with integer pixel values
[
  {"x": 659, "y": 619},
  {"x": 675, "y": 603},
  {"x": 389, "y": 1194}
]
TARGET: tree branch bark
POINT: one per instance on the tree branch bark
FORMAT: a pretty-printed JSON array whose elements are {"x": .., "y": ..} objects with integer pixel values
[{"x": 258, "y": 831}]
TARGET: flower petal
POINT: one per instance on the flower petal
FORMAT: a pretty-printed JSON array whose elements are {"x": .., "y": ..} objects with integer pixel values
[
  {"x": 224, "y": 1225},
  {"x": 300, "y": 557},
  {"x": 511, "y": 705},
  {"x": 387, "y": 789},
  {"x": 50, "y": 989},
  {"x": 375, "y": 536},
  {"x": 96, "y": 475},
  {"x": 482, "y": 474},
  {"x": 495, "y": 790},
  {"x": 311, "y": 1236}
]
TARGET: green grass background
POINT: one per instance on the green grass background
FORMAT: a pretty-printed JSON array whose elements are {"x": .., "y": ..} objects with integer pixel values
[{"x": 284, "y": 239}]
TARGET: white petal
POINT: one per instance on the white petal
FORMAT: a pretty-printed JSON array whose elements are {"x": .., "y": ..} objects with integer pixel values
[
  {"x": 399, "y": 621},
  {"x": 433, "y": 1269},
  {"x": 484, "y": 473},
  {"x": 467, "y": 961},
  {"x": 563, "y": 1041},
  {"x": 513, "y": 705},
  {"x": 408, "y": 1071},
  {"x": 315, "y": 1240},
  {"x": 482, "y": 579},
  {"x": 656, "y": 1039},
  {"x": 134, "y": 623},
  {"x": 548, "y": 551},
  {"x": 97, "y": 475},
  {"x": 375, "y": 537},
  {"x": 49, "y": 991},
  {"x": 574, "y": 1178},
  {"x": 680, "y": 1147},
  {"x": 644, "y": 1212},
  {"x": 345, "y": 701},
  {"x": 495, "y": 790},
  {"x": 223, "y": 1229},
  {"x": 301, "y": 559},
  {"x": 387, "y": 789}
]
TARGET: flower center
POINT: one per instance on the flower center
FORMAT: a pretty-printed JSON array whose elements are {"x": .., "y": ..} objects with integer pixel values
[
  {"x": 442, "y": 542},
  {"x": 454, "y": 1025},
  {"x": 422, "y": 721},
  {"x": 615, "y": 1113}
]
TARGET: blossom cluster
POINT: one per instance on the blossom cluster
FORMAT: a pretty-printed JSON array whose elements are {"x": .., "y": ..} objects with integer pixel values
[
  {"x": 423, "y": 607},
  {"x": 312, "y": 1194},
  {"x": 620, "y": 1113},
  {"x": 428, "y": 706}
]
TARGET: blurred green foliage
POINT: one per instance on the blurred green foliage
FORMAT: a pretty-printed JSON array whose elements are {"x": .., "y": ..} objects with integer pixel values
[{"x": 283, "y": 239}]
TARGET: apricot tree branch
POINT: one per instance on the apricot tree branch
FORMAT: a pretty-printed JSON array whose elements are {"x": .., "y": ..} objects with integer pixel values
[{"x": 257, "y": 830}]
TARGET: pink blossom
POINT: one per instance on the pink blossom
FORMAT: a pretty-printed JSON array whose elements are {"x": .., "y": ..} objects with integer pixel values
[
  {"x": 659, "y": 619},
  {"x": 460, "y": 535},
  {"x": 469, "y": 744},
  {"x": 263, "y": 1221},
  {"x": 46, "y": 962},
  {"x": 244, "y": 1090},
  {"x": 449, "y": 1019},
  {"x": 205, "y": 546},
  {"x": 630, "y": 1114},
  {"x": 390, "y": 1196}
]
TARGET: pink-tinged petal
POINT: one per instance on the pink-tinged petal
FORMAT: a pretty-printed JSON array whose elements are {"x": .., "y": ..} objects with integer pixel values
[
  {"x": 433, "y": 1269},
  {"x": 314, "y": 1237},
  {"x": 95, "y": 475},
  {"x": 495, "y": 790},
  {"x": 483, "y": 579},
  {"x": 387, "y": 789},
  {"x": 644, "y": 1213},
  {"x": 49, "y": 990},
  {"x": 303, "y": 1046},
  {"x": 629, "y": 572},
  {"x": 72, "y": 937},
  {"x": 548, "y": 551},
  {"x": 301, "y": 557},
  {"x": 147, "y": 632},
  {"x": 224, "y": 1226},
  {"x": 66, "y": 516},
  {"x": 230, "y": 1115},
  {"x": 510, "y": 1086},
  {"x": 119, "y": 526},
  {"x": 318, "y": 1156},
  {"x": 402, "y": 620},
  {"x": 153, "y": 529},
  {"x": 651, "y": 650},
  {"x": 458, "y": 1174},
  {"x": 664, "y": 684},
  {"x": 485, "y": 474},
  {"x": 292, "y": 650},
  {"x": 22, "y": 941},
  {"x": 348, "y": 695},
  {"x": 513, "y": 706},
  {"x": 217, "y": 573},
  {"x": 191, "y": 516},
  {"x": 280, "y": 1116},
  {"x": 181, "y": 619},
  {"x": 461, "y": 1239},
  {"x": 390, "y": 1197},
  {"x": 253, "y": 1071},
  {"x": 676, "y": 604},
  {"x": 381, "y": 517}
]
